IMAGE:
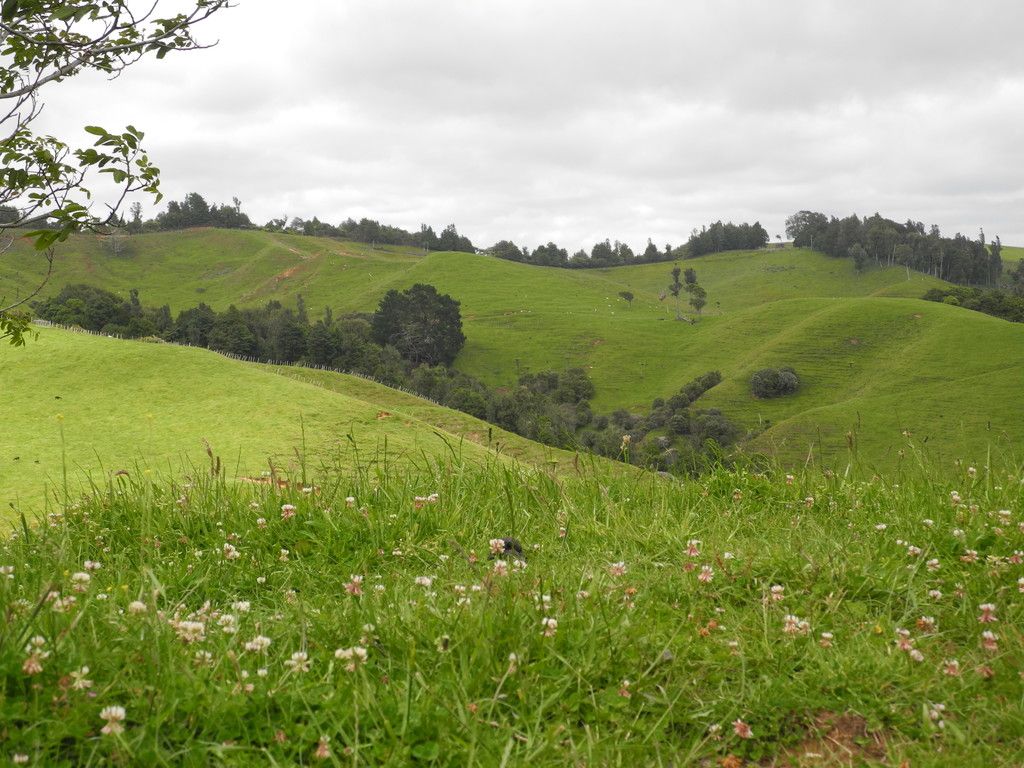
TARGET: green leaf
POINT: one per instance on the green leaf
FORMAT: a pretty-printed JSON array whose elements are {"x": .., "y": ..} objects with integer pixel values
[
  {"x": 95, "y": 130},
  {"x": 9, "y": 9}
]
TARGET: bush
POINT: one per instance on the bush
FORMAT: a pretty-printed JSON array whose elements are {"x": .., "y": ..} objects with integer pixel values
[{"x": 774, "y": 382}]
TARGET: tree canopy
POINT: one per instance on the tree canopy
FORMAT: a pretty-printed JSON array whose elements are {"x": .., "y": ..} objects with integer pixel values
[{"x": 422, "y": 324}]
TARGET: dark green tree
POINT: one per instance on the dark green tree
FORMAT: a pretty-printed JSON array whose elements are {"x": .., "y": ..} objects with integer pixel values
[{"x": 423, "y": 325}]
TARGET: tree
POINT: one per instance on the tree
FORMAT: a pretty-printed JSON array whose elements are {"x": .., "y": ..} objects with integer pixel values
[
  {"x": 627, "y": 296},
  {"x": 423, "y": 325},
  {"x": 42, "y": 178},
  {"x": 698, "y": 297},
  {"x": 675, "y": 288}
]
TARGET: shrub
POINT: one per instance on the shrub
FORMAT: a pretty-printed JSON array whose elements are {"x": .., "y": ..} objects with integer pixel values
[{"x": 774, "y": 382}]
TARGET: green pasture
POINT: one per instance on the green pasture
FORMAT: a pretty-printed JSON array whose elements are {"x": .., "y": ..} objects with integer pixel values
[
  {"x": 93, "y": 406},
  {"x": 875, "y": 359}
]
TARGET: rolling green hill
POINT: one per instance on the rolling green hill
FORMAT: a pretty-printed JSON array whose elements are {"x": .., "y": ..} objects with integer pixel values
[
  {"x": 108, "y": 405},
  {"x": 874, "y": 359}
]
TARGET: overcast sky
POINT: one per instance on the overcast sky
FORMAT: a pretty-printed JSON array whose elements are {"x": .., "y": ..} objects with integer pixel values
[{"x": 576, "y": 121}]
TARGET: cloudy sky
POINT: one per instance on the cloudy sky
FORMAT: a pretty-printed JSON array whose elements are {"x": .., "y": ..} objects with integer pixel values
[{"x": 580, "y": 120}]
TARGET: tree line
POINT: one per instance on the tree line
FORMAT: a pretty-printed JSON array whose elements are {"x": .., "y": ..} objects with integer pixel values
[
  {"x": 884, "y": 242},
  {"x": 410, "y": 343}
]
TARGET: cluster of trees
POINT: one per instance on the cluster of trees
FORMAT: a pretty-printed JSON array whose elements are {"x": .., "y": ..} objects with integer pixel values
[
  {"x": 698, "y": 296},
  {"x": 673, "y": 437},
  {"x": 373, "y": 232},
  {"x": 957, "y": 259},
  {"x": 603, "y": 254},
  {"x": 774, "y": 382},
  {"x": 720, "y": 237},
  {"x": 193, "y": 211},
  {"x": 410, "y": 342},
  {"x": 1009, "y": 306}
]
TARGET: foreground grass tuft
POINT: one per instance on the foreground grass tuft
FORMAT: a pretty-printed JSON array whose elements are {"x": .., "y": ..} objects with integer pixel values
[{"x": 376, "y": 619}]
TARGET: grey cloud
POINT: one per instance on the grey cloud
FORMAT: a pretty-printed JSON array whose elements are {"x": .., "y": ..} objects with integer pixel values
[{"x": 585, "y": 119}]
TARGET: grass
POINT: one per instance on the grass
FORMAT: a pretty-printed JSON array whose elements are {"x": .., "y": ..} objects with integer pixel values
[
  {"x": 647, "y": 664},
  {"x": 96, "y": 405},
  {"x": 874, "y": 359}
]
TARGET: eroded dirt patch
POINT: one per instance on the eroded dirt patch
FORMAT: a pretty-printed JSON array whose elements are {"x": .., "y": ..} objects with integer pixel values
[{"x": 835, "y": 740}]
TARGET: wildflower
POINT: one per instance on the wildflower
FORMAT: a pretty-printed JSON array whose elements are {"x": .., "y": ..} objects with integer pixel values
[
  {"x": 935, "y": 594},
  {"x": 299, "y": 662},
  {"x": 916, "y": 655},
  {"x": 928, "y": 522},
  {"x": 19, "y": 758},
  {"x": 881, "y": 527},
  {"x": 926, "y": 623},
  {"x": 261, "y": 523},
  {"x": 550, "y": 626},
  {"x": 350, "y": 501},
  {"x": 617, "y": 569},
  {"x": 792, "y": 625},
  {"x": 972, "y": 472},
  {"x": 497, "y": 546},
  {"x": 742, "y": 730},
  {"x": 737, "y": 495},
  {"x": 562, "y": 533},
  {"x": 809, "y": 502},
  {"x": 443, "y": 643},
  {"x": 261, "y": 579},
  {"x": 624, "y": 691},
  {"x": 913, "y": 551},
  {"x": 322, "y": 752},
  {"x": 969, "y": 556},
  {"x": 715, "y": 731},
  {"x": 985, "y": 671},
  {"x": 7, "y": 570},
  {"x": 990, "y": 641},
  {"x": 777, "y": 591},
  {"x": 903, "y": 640},
  {"x": 500, "y": 568},
  {"x": 136, "y": 607},
  {"x": 518, "y": 565},
  {"x": 242, "y": 606},
  {"x": 513, "y": 663},
  {"x": 258, "y": 644},
  {"x": 81, "y": 683},
  {"x": 1016, "y": 558},
  {"x": 354, "y": 586},
  {"x": 826, "y": 640},
  {"x": 935, "y": 713},
  {"x": 626, "y": 440},
  {"x": 353, "y": 657},
  {"x": 228, "y": 623},
  {"x": 954, "y": 498},
  {"x": 933, "y": 564},
  {"x": 92, "y": 565},
  {"x": 951, "y": 667},
  {"x": 790, "y": 479},
  {"x": 582, "y": 594},
  {"x": 36, "y": 650},
  {"x": 283, "y": 556},
  {"x": 424, "y": 581},
  {"x": 693, "y": 548},
  {"x": 287, "y": 511},
  {"x": 190, "y": 631},
  {"x": 203, "y": 659},
  {"x": 987, "y": 613},
  {"x": 114, "y": 717},
  {"x": 707, "y": 573},
  {"x": 958, "y": 533},
  {"x": 1020, "y": 584},
  {"x": 63, "y": 605},
  {"x": 230, "y": 553}
]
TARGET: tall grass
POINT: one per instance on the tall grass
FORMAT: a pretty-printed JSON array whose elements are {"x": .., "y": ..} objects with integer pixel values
[{"x": 648, "y": 661}]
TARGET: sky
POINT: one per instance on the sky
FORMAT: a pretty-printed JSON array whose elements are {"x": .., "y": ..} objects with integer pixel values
[{"x": 574, "y": 121}]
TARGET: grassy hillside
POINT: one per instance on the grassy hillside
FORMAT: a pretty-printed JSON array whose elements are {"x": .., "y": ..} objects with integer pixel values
[
  {"x": 97, "y": 405},
  {"x": 873, "y": 358}
]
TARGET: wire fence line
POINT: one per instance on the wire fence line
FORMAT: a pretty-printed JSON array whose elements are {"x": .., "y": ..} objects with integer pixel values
[{"x": 241, "y": 358}]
